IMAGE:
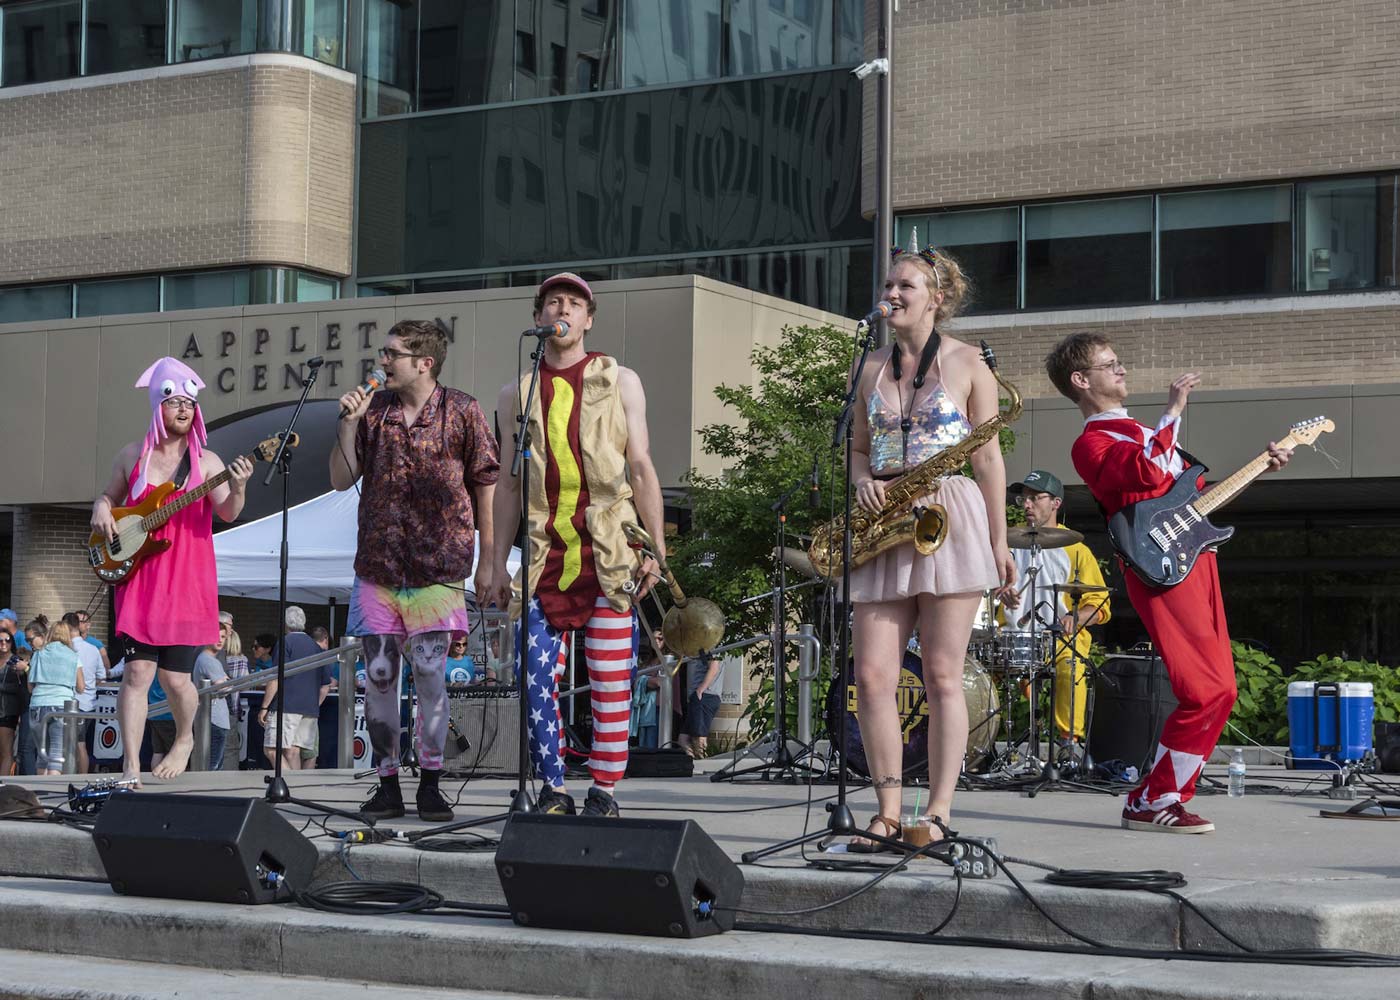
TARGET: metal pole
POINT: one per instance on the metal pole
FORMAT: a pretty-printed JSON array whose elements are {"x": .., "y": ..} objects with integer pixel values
[
  {"x": 884, "y": 130},
  {"x": 70, "y": 738},
  {"x": 199, "y": 756},
  {"x": 806, "y": 675},
  {"x": 665, "y": 731},
  {"x": 346, "y": 690}
]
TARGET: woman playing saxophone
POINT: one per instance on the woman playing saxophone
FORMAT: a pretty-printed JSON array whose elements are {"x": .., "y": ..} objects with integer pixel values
[{"x": 919, "y": 396}]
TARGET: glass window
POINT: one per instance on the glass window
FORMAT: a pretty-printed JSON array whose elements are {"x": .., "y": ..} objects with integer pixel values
[
  {"x": 670, "y": 41},
  {"x": 1219, "y": 244},
  {"x": 982, "y": 241},
  {"x": 850, "y": 31},
  {"x": 208, "y": 29},
  {"x": 391, "y": 32},
  {"x": 265, "y": 285},
  {"x": 122, "y": 295},
  {"x": 125, "y": 34},
  {"x": 313, "y": 288},
  {"x": 772, "y": 36},
  {"x": 1346, "y": 234},
  {"x": 318, "y": 30},
  {"x": 464, "y": 53},
  {"x": 43, "y": 41},
  {"x": 206, "y": 290},
  {"x": 550, "y": 44},
  {"x": 37, "y": 302},
  {"x": 1089, "y": 253}
]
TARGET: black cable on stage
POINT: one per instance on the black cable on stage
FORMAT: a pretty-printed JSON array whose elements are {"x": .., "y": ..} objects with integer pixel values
[{"x": 379, "y": 898}]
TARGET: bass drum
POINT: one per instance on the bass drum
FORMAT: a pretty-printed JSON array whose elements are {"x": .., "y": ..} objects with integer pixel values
[{"x": 983, "y": 715}]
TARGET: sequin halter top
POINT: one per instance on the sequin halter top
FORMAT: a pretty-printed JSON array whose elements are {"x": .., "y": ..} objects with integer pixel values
[{"x": 935, "y": 424}]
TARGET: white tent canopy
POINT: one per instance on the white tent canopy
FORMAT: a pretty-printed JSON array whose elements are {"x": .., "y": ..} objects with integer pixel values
[{"x": 321, "y": 535}]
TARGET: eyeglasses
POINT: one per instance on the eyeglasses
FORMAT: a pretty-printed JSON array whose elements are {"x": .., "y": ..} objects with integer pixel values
[
  {"x": 1115, "y": 366},
  {"x": 391, "y": 354},
  {"x": 178, "y": 403},
  {"x": 1033, "y": 497}
]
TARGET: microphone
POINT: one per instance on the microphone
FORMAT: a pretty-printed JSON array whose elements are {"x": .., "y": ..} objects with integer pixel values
[
  {"x": 881, "y": 310},
  {"x": 814, "y": 499},
  {"x": 368, "y": 386},
  {"x": 560, "y": 329}
]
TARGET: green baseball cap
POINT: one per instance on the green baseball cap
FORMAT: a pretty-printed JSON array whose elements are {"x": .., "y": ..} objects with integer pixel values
[{"x": 1039, "y": 481}]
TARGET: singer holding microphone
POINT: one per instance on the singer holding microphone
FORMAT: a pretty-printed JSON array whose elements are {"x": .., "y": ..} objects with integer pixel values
[
  {"x": 427, "y": 461},
  {"x": 590, "y": 462},
  {"x": 919, "y": 396}
]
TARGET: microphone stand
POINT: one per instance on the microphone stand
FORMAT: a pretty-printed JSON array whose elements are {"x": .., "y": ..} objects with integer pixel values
[
  {"x": 277, "y": 791},
  {"x": 840, "y": 821},
  {"x": 520, "y": 801}
]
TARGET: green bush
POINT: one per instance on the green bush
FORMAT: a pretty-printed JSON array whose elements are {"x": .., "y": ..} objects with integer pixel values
[{"x": 1261, "y": 710}]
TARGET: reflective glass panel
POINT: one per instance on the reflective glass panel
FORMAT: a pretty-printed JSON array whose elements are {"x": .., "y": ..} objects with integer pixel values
[
  {"x": 122, "y": 295},
  {"x": 32, "y": 303},
  {"x": 207, "y": 29},
  {"x": 465, "y": 52},
  {"x": 125, "y": 34},
  {"x": 982, "y": 241},
  {"x": 314, "y": 288},
  {"x": 207, "y": 290},
  {"x": 775, "y": 36},
  {"x": 318, "y": 30},
  {"x": 850, "y": 31},
  {"x": 391, "y": 46},
  {"x": 43, "y": 41},
  {"x": 1089, "y": 253},
  {"x": 563, "y": 48},
  {"x": 1221, "y": 244},
  {"x": 1346, "y": 234},
  {"x": 670, "y": 41},
  {"x": 705, "y": 169}
]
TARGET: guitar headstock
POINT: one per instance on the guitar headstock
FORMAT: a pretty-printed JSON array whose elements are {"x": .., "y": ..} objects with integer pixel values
[
  {"x": 1308, "y": 431},
  {"x": 267, "y": 450}
]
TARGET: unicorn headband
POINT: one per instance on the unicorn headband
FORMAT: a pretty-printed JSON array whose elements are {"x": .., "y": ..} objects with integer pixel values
[
  {"x": 167, "y": 379},
  {"x": 928, "y": 255}
]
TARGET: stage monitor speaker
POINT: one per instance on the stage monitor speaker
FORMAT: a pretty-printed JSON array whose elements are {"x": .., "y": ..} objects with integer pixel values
[
  {"x": 491, "y": 726},
  {"x": 1132, "y": 699},
  {"x": 1388, "y": 746},
  {"x": 209, "y": 847},
  {"x": 664, "y": 878}
]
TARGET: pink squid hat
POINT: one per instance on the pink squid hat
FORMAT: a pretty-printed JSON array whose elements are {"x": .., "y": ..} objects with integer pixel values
[{"x": 165, "y": 379}]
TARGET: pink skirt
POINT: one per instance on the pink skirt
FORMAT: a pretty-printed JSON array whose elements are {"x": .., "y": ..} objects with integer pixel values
[{"x": 962, "y": 564}]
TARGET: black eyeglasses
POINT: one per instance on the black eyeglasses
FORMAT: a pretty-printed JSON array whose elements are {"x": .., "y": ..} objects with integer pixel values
[
  {"x": 390, "y": 354},
  {"x": 1115, "y": 366}
]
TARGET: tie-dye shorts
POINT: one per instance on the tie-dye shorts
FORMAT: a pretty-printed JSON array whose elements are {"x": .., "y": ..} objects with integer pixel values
[{"x": 406, "y": 611}]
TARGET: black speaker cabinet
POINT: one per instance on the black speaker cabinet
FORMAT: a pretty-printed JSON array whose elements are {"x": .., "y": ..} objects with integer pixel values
[
  {"x": 1132, "y": 699},
  {"x": 1388, "y": 746},
  {"x": 492, "y": 728},
  {"x": 664, "y": 878},
  {"x": 215, "y": 848}
]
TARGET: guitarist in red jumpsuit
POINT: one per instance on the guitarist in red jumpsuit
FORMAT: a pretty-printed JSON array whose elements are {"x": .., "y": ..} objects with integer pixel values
[{"x": 1124, "y": 462}]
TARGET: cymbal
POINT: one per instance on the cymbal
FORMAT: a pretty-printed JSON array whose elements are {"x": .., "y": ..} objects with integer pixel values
[
  {"x": 1025, "y": 537},
  {"x": 1076, "y": 589}
]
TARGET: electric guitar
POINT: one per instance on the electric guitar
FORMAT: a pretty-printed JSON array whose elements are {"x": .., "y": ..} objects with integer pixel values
[
  {"x": 116, "y": 560},
  {"x": 1161, "y": 539}
]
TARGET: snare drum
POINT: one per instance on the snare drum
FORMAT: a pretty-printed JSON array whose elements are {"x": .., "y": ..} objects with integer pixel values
[{"x": 1019, "y": 652}]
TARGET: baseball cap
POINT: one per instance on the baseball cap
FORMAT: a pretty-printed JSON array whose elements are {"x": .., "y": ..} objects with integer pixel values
[
  {"x": 1039, "y": 481},
  {"x": 10, "y": 614},
  {"x": 566, "y": 278}
]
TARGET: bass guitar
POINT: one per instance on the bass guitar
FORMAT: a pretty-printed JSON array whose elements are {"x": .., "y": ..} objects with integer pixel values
[
  {"x": 116, "y": 560},
  {"x": 1161, "y": 539}
]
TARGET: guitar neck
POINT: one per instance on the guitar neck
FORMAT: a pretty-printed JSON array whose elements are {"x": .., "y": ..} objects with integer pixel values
[
  {"x": 1227, "y": 489},
  {"x": 153, "y": 521}
]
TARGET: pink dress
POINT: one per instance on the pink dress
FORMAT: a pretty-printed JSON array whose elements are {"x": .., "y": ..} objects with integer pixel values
[
  {"x": 172, "y": 599},
  {"x": 964, "y": 562}
]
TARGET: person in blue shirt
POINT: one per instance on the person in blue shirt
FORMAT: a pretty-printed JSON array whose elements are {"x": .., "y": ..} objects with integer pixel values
[
  {"x": 461, "y": 668},
  {"x": 9, "y": 622},
  {"x": 55, "y": 676},
  {"x": 262, "y": 652}
]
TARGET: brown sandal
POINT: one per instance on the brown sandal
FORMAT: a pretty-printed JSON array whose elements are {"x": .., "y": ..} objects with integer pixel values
[{"x": 874, "y": 847}]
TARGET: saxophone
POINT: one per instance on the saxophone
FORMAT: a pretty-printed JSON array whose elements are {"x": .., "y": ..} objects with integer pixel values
[{"x": 900, "y": 520}]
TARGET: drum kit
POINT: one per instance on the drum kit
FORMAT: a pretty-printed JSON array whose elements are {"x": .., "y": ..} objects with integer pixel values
[{"x": 1002, "y": 665}]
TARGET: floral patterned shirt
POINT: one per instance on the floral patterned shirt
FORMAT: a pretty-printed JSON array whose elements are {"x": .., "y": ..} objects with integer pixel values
[{"x": 417, "y": 520}]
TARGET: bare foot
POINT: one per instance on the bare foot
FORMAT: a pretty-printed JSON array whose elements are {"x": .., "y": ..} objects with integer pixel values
[
  {"x": 173, "y": 764},
  {"x": 133, "y": 778}
]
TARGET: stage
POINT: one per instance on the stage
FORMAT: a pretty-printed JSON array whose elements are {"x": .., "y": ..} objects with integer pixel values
[{"x": 1275, "y": 875}]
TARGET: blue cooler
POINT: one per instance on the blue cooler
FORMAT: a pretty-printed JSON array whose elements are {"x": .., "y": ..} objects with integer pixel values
[{"x": 1329, "y": 723}]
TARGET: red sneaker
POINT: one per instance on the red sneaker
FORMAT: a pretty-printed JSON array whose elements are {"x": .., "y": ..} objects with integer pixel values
[{"x": 1173, "y": 819}]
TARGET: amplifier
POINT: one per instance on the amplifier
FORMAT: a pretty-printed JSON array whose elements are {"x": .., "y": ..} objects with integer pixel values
[{"x": 491, "y": 726}]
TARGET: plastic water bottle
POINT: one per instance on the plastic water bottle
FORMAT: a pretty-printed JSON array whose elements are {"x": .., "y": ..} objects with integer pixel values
[{"x": 1237, "y": 774}]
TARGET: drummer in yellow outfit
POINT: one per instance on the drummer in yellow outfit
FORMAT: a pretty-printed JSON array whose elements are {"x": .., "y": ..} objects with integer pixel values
[{"x": 1040, "y": 495}]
